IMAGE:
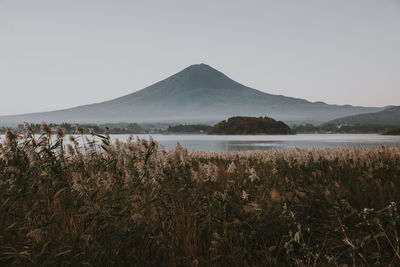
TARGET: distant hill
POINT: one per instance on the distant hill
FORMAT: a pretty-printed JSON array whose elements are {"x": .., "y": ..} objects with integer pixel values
[
  {"x": 250, "y": 125},
  {"x": 197, "y": 94},
  {"x": 387, "y": 117}
]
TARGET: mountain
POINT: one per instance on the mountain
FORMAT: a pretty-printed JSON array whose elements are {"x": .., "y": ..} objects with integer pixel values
[
  {"x": 196, "y": 94},
  {"x": 387, "y": 117}
]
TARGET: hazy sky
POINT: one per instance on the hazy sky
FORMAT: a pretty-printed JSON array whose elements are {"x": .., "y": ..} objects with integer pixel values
[{"x": 58, "y": 54}]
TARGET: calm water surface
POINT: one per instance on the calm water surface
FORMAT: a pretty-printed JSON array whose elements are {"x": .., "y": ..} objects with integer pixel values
[{"x": 220, "y": 143}]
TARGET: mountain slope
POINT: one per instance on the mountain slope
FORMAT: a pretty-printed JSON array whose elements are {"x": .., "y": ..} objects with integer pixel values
[
  {"x": 387, "y": 117},
  {"x": 198, "y": 93}
]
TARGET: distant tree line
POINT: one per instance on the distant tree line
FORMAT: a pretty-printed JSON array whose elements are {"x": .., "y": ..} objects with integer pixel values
[
  {"x": 334, "y": 128},
  {"x": 191, "y": 129},
  {"x": 234, "y": 125},
  {"x": 68, "y": 128},
  {"x": 392, "y": 132}
]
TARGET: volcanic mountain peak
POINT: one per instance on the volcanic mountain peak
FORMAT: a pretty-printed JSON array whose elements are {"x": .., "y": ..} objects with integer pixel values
[
  {"x": 188, "y": 80},
  {"x": 202, "y": 76}
]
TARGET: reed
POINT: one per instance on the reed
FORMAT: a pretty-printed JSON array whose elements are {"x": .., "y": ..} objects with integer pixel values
[{"x": 93, "y": 202}]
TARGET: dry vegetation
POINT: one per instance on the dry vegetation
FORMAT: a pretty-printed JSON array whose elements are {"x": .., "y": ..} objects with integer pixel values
[{"x": 89, "y": 203}]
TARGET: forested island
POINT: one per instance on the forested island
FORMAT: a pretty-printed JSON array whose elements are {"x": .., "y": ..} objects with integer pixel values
[{"x": 251, "y": 125}]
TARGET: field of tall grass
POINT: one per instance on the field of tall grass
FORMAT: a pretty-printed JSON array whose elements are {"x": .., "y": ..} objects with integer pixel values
[{"x": 87, "y": 201}]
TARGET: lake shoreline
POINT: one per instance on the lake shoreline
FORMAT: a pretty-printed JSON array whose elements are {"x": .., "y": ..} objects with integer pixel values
[{"x": 221, "y": 143}]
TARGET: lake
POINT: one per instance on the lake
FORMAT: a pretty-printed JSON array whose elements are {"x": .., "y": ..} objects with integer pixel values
[{"x": 219, "y": 143}]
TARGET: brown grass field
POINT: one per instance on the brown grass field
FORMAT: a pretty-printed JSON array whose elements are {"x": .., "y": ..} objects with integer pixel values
[{"x": 91, "y": 202}]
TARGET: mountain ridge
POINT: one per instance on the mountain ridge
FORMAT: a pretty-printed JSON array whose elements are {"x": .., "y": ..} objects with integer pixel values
[{"x": 387, "y": 117}]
